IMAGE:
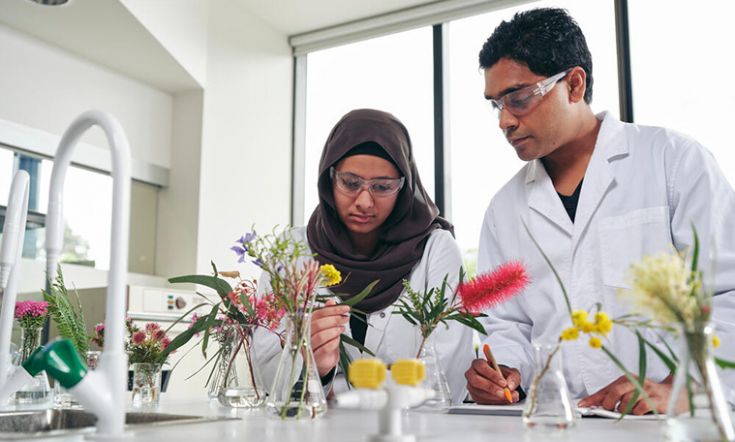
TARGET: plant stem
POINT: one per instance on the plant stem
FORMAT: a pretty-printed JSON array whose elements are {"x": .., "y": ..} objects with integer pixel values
[{"x": 537, "y": 381}]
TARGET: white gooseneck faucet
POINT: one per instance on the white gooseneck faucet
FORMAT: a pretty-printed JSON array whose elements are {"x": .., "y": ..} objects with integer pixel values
[
  {"x": 11, "y": 251},
  {"x": 107, "y": 399}
]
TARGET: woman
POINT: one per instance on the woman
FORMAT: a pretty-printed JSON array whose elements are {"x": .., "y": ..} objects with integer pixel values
[{"x": 375, "y": 221}]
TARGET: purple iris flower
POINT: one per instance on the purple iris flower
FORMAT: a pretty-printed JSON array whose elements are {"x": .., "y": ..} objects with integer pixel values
[{"x": 242, "y": 248}]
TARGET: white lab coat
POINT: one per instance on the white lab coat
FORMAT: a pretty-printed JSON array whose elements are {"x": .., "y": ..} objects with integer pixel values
[
  {"x": 643, "y": 189},
  {"x": 389, "y": 335}
]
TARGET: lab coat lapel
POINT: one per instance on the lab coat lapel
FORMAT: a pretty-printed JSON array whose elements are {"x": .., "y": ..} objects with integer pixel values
[
  {"x": 600, "y": 175},
  {"x": 542, "y": 196}
]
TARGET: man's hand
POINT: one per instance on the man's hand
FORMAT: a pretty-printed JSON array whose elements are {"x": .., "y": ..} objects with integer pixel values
[
  {"x": 327, "y": 324},
  {"x": 615, "y": 397},
  {"x": 486, "y": 386}
]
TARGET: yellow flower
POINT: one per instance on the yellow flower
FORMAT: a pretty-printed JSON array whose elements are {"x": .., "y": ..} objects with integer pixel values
[
  {"x": 588, "y": 327},
  {"x": 331, "y": 275},
  {"x": 603, "y": 323},
  {"x": 715, "y": 341},
  {"x": 570, "y": 334},
  {"x": 595, "y": 342},
  {"x": 579, "y": 317}
]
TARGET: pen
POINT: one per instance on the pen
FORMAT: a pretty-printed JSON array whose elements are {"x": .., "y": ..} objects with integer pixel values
[{"x": 491, "y": 360}]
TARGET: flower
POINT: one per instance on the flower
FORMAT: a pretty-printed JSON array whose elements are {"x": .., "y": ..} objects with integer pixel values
[
  {"x": 595, "y": 342},
  {"x": 331, "y": 275},
  {"x": 663, "y": 286},
  {"x": 99, "y": 334},
  {"x": 242, "y": 249},
  {"x": 31, "y": 314},
  {"x": 138, "y": 337},
  {"x": 579, "y": 318},
  {"x": 487, "y": 290},
  {"x": 570, "y": 334},
  {"x": 603, "y": 324},
  {"x": 715, "y": 341}
]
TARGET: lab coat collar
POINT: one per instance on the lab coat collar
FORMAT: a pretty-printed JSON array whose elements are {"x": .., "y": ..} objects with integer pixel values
[{"x": 611, "y": 144}]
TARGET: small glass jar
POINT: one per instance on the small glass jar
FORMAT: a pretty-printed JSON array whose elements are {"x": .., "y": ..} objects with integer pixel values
[{"x": 146, "y": 384}]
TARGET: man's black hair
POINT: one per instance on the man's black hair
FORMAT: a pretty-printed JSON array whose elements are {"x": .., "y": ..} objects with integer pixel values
[{"x": 547, "y": 40}]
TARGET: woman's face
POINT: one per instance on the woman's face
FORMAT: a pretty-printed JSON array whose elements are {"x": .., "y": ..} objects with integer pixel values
[{"x": 362, "y": 212}]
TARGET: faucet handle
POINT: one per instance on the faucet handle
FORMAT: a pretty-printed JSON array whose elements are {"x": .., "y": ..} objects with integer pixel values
[{"x": 60, "y": 360}]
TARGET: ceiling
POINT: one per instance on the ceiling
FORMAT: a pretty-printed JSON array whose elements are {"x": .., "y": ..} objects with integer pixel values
[
  {"x": 105, "y": 32},
  {"x": 298, "y": 16}
]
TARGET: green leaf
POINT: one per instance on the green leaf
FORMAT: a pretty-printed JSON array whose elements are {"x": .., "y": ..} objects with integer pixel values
[
  {"x": 642, "y": 361},
  {"x": 360, "y": 296},
  {"x": 184, "y": 337},
  {"x": 723, "y": 363},
  {"x": 349, "y": 340},
  {"x": 551, "y": 266},
  {"x": 344, "y": 362},
  {"x": 695, "y": 251},
  {"x": 209, "y": 321},
  {"x": 670, "y": 364},
  {"x": 185, "y": 315},
  {"x": 222, "y": 287}
]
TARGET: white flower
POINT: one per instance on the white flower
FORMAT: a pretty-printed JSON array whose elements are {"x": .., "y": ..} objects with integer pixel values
[{"x": 660, "y": 284}]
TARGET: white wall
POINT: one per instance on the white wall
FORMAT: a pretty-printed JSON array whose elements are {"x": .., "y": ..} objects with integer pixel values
[
  {"x": 246, "y": 150},
  {"x": 180, "y": 26},
  {"x": 46, "y": 88},
  {"x": 178, "y": 204}
]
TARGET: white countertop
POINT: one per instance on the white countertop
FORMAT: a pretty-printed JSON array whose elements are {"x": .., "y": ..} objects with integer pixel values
[{"x": 354, "y": 425}]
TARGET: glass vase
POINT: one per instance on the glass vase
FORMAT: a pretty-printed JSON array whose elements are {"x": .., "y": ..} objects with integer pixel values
[
  {"x": 62, "y": 397},
  {"x": 37, "y": 391},
  {"x": 225, "y": 337},
  {"x": 697, "y": 409},
  {"x": 548, "y": 405},
  {"x": 245, "y": 391},
  {"x": 146, "y": 384},
  {"x": 297, "y": 391},
  {"x": 435, "y": 378}
]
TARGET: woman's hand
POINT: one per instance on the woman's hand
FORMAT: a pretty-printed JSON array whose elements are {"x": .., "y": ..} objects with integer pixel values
[{"x": 327, "y": 324}]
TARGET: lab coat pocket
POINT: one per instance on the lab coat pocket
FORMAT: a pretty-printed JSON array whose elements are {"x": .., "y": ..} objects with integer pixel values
[{"x": 627, "y": 238}]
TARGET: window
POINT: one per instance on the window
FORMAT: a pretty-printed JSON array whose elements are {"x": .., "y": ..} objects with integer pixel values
[
  {"x": 481, "y": 159},
  {"x": 391, "y": 73},
  {"x": 683, "y": 83},
  {"x": 87, "y": 213}
]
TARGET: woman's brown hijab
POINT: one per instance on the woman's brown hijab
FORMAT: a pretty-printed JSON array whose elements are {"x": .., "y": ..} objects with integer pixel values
[{"x": 404, "y": 234}]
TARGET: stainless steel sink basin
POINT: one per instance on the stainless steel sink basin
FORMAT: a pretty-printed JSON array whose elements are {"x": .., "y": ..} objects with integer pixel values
[{"x": 65, "y": 422}]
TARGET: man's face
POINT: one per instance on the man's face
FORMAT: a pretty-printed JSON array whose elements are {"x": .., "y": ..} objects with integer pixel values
[{"x": 538, "y": 132}]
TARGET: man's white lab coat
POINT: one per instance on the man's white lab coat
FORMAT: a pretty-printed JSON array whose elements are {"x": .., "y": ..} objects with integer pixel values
[{"x": 643, "y": 189}]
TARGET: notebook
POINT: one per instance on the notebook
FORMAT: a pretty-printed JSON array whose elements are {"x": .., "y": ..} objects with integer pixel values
[{"x": 517, "y": 410}]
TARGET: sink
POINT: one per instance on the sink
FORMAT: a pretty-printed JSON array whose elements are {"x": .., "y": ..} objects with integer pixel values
[{"x": 65, "y": 422}]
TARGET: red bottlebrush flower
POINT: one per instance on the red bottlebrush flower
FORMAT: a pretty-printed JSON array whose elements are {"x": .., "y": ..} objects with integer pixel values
[
  {"x": 159, "y": 335},
  {"x": 490, "y": 289}
]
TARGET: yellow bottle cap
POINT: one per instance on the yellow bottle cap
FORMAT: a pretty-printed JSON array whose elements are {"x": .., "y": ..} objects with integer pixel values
[
  {"x": 408, "y": 372},
  {"x": 367, "y": 373}
]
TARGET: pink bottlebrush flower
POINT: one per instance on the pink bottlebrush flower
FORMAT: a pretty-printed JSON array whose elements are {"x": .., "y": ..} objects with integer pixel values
[
  {"x": 151, "y": 327},
  {"x": 99, "y": 328},
  {"x": 139, "y": 337},
  {"x": 165, "y": 343},
  {"x": 33, "y": 309},
  {"x": 490, "y": 289}
]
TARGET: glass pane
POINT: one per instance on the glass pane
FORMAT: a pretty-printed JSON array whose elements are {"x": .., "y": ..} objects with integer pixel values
[
  {"x": 666, "y": 77},
  {"x": 391, "y": 73},
  {"x": 481, "y": 159},
  {"x": 6, "y": 175},
  {"x": 87, "y": 214}
]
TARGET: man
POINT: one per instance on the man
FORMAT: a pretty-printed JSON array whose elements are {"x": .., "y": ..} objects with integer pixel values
[{"x": 598, "y": 195}]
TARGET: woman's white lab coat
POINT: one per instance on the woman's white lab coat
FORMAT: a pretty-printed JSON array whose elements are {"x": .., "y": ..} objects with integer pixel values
[{"x": 389, "y": 335}]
